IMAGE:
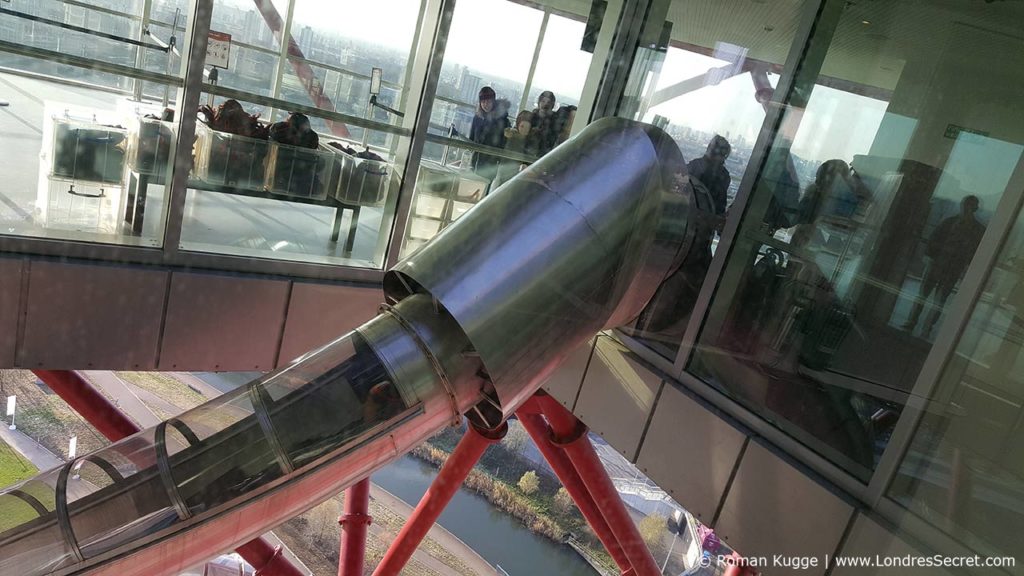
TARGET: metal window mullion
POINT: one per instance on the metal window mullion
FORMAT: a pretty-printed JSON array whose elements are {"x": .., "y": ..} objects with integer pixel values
[
  {"x": 808, "y": 50},
  {"x": 282, "y": 56},
  {"x": 429, "y": 58},
  {"x": 952, "y": 328},
  {"x": 193, "y": 61},
  {"x": 524, "y": 101},
  {"x": 140, "y": 56},
  {"x": 620, "y": 58},
  {"x": 87, "y": 63}
]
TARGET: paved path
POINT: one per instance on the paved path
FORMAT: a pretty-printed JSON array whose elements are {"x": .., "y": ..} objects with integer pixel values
[
  {"x": 126, "y": 399},
  {"x": 211, "y": 389},
  {"x": 443, "y": 537},
  {"x": 34, "y": 452}
]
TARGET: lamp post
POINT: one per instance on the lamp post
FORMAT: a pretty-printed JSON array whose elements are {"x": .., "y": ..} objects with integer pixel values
[
  {"x": 11, "y": 402},
  {"x": 678, "y": 517}
]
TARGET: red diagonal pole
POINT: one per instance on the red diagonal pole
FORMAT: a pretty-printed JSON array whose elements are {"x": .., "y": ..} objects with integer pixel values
[
  {"x": 541, "y": 433},
  {"x": 354, "y": 523},
  {"x": 108, "y": 419},
  {"x": 302, "y": 70},
  {"x": 440, "y": 493},
  {"x": 571, "y": 436}
]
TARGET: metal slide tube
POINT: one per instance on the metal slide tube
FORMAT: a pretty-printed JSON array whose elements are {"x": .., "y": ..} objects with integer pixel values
[
  {"x": 576, "y": 243},
  {"x": 440, "y": 493},
  {"x": 354, "y": 523},
  {"x": 115, "y": 425},
  {"x": 475, "y": 322},
  {"x": 540, "y": 432},
  {"x": 571, "y": 435}
]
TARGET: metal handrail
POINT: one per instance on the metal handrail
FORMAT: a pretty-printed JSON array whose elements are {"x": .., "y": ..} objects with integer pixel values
[
  {"x": 305, "y": 109},
  {"x": 96, "y": 65},
  {"x": 82, "y": 29}
]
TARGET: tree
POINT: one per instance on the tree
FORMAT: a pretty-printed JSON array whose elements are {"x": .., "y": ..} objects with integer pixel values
[
  {"x": 652, "y": 530},
  {"x": 563, "y": 501},
  {"x": 529, "y": 483},
  {"x": 515, "y": 438}
]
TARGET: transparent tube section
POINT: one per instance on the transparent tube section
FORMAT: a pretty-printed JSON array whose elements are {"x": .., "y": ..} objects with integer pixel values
[{"x": 214, "y": 455}]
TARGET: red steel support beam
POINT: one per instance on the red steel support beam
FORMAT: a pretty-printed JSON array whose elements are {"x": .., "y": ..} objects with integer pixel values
[
  {"x": 571, "y": 435},
  {"x": 89, "y": 403},
  {"x": 302, "y": 70},
  {"x": 108, "y": 419},
  {"x": 354, "y": 523},
  {"x": 541, "y": 433},
  {"x": 268, "y": 560},
  {"x": 440, "y": 493}
]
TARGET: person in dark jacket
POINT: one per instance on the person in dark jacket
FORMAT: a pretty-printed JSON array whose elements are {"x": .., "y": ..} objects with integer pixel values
[
  {"x": 950, "y": 250},
  {"x": 544, "y": 124},
  {"x": 489, "y": 124},
  {"x": 710, "y": 170}
]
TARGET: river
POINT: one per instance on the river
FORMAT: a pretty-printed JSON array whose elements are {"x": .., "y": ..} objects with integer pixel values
[{"x": 496, "y": 536}]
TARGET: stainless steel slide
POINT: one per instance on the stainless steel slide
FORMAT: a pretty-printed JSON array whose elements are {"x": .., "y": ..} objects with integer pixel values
[{"x": 474, "y": 322}]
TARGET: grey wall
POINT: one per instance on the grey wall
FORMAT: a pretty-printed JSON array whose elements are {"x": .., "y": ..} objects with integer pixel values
[
  {"x": 63, "y": 315},
  {"x": 758, "y": 500}
]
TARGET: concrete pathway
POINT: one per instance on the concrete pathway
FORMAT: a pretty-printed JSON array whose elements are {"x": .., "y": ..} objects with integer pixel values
[
  {"x": 211, "y": 389},
  {"x": 33, "y": 451},
  {"x": 125, "y": 399}
]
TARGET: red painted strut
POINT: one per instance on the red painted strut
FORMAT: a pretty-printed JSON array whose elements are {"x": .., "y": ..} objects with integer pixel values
[
  {"x": 354, "y": 524},
  {"x": 440, "y": 493},
  {"x": 540, "y": 432},
  {"x": 92, "y": 405},
  {"x": 571, "y": 435}
]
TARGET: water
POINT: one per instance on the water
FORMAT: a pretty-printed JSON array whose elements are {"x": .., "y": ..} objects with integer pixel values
[{"x": 496, "y": 536}]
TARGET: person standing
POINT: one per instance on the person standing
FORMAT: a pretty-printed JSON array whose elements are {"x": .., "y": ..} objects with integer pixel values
[
  {"x": 950, "y": 250},
  {"x": 489, "y": 124},
  {"x": 710, "y": 170},
  {"x": 544, "y": 124}
]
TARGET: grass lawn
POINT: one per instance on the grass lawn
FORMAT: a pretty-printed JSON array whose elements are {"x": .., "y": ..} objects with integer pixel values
[{"x": 14, "y": 467}]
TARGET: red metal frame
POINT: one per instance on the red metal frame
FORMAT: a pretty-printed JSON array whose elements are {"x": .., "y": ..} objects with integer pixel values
[
  {"x": 89, "y": 402},
  {"x": 302, "y": 70},
  {"x": 541, "y": 433},
  {"x": 571, "y": 435},
  {"x": 354, "y": 524},
  {"x": 440, "y": 493},
  {"x": 108, "y": 419}
]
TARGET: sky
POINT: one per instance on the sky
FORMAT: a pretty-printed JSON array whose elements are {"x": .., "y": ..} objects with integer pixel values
[
  {"x": 492, "y": 37},
  {"x": 497, "y": 39},
  {"x": 836, "y": 124}
]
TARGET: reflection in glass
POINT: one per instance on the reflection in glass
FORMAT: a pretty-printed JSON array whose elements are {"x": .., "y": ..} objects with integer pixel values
[
  {"x": 709, "y": 90},
  {"x": 497, "y": 110},
  {"x": 66, "y": 171},
  {"x": 868, "y": 210},
  {"x": 964, "y": 470}
]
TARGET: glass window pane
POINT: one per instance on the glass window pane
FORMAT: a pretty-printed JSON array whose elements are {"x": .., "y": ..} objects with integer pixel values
[
  {"x": 889, "y": 162},
  {"x": 67, "y": 129},
  {"x": 708, "y": 92},
  {"x": 964, "y": 470},
  {"x": 310, "y": 186},
  {"x": 495, "y": 48}
]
